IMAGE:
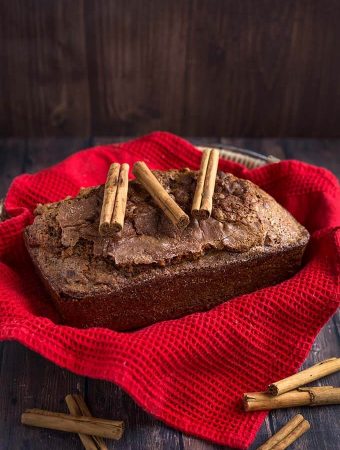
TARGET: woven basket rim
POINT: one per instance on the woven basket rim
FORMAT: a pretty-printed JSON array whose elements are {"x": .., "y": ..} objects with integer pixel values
[{"x": 248, "y": 158}]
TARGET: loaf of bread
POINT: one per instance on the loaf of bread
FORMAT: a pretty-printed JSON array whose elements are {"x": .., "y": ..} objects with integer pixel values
[{"x": 151, "y": 271}]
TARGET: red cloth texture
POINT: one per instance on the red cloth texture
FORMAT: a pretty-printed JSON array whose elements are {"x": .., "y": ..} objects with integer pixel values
[{"x": 189, "y": 372}]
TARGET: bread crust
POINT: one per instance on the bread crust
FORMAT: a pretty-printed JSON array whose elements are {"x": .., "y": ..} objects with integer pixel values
[{"x": 123, "y": 291}]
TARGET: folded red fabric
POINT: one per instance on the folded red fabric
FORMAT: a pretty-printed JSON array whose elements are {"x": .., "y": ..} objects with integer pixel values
[{"x": 189, "y": 372}]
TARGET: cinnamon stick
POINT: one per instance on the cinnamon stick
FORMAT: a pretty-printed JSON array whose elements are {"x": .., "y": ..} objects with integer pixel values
[
  {"x": 315, "y": 372},
  {"x": 196, "y": 203},
  {"x": 313, "y": 396},
  {"x": 114, "y": 200},
  {"x": 117, "y": 221},
  {"x": 86, "y": 412},
  {"x": 293, "y": 436},
  {"x": 77, "y": 407},
  {"x": 109, "y": 198},
  {"x": 282, "y": 433},
  {"x": 112, "y": 429},
  {"x": 170, "y": 208},
  {"x": 86, "y": 440},
  {"x": 202, "y": 202}
]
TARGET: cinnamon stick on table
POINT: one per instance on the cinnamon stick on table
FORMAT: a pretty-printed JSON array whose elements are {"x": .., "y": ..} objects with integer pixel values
[
  {"x": 315, "y": 372},
  {"x": 291, "y": 430},
  {"x": 112, "y": 429},
  {"x": 313, "y": 396},
  {"x": 170, "y": 208},
  {"x": 293, "y": 436},
  {"x": 202, "y": 202},
  {"x": 77, "y": 407},
  {"x": 114, "y": 200}
]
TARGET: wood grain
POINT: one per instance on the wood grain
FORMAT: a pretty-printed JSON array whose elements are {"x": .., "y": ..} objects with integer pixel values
[
  {"x": 32, "y": 381},
  {"x": 323, "y": 432},
  {"x": 137, "y": 58},
  {"x": 142, "y": 431},
  {"x": 194, "y": 67},
  {"x": 44, "y": 81},
  {"x": 12, "y": 160},
  {"x": 308, "y": 150},
  {"x": 255, "y": 67},
  {"x": 44, "y": 152}
]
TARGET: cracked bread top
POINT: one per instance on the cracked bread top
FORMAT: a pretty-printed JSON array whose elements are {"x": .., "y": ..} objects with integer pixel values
[{"x": 71, "y": 255}]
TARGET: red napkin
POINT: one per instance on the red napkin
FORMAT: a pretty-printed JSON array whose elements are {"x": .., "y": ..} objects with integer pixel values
[{"x": 189, "y": 372}]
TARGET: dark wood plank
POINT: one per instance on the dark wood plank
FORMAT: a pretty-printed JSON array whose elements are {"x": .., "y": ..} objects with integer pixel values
[
  {"x": 195, "y": 67},
  {"x": 30, "y": 381},
  {"x": 136, "y": 59},
  {"x": 43, "y": 84},
  {"x": 257, "y": 68},
  {"x": 336, "y": 320},
  {"x": 12, "y": 157},
  {"x": 325, "y": 153},
  {"x": 104, "y": 140},
  {"x": 44, "y": 152},
  {"x": 142, "y": 430},
  {"x": 324, "y": 433},
  {"x": 193, "y": 443}
]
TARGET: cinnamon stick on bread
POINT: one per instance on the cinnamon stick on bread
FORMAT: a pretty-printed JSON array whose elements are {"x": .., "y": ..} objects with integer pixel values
[
  {"x": 114, "y": 200},
  {"x": 203, "y": 198},
  {"x": 160, "y": 196}
]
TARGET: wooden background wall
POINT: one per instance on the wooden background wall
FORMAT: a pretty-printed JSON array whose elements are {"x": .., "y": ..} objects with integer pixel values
[{"x": 194, "y": 67}]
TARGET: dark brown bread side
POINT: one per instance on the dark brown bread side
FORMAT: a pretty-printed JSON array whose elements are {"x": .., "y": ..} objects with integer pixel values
[{"x": 152, "y": 271}]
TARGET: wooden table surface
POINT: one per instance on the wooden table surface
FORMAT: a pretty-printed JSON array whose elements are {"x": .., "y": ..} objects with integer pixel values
[{"x": 27, "y": 380}]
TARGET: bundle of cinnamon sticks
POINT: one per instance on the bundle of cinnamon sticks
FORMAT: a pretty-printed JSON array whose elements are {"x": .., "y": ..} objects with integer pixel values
[
  {"x": 91, "y": 430},
  {"x": 288, "y": 434},
  {"x": 292, "y": 392},
  {"x": 116, "y": 188},
  {"x": 114, "y": 200}
]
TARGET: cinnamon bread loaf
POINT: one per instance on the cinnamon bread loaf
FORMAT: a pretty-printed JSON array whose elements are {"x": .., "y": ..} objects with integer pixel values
[{"x": 152, "y": 271}]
